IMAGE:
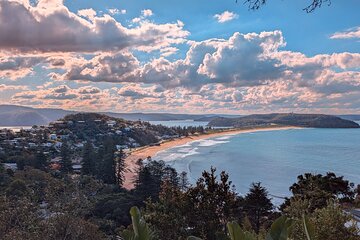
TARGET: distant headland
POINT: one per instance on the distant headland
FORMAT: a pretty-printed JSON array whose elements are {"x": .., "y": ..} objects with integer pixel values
[{"x": 288, "y": 119}]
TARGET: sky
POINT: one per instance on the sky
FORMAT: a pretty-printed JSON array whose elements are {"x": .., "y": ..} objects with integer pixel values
[{"x": 202, "y": 56}]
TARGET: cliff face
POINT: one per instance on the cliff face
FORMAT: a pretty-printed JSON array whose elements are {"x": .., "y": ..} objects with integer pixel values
[{"x": 299, "y": 120}]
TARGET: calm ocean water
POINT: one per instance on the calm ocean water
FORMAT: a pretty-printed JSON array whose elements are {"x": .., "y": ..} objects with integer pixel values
[{"x": 274, "y": 158}]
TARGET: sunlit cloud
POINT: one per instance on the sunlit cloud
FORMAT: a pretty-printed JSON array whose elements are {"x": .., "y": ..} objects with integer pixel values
[
  {"x": 90, "y": 60},
  {"x": 225, "y": 16},
  {"x": 348, "y": 34}
]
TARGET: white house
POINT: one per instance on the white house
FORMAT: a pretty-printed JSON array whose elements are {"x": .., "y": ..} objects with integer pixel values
[
  {"x": 53, "y": 137},
  {"x": 11, "y": 166}
]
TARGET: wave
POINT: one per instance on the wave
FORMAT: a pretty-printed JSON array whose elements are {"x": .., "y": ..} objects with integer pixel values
[
  {"x": 210, "y": 142},
  {"x": 170, "y": 155},
  {"x": 225, "y": 137}
]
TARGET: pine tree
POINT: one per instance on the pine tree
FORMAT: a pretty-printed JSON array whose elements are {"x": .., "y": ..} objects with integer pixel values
[
  {"x": 66, "y": 164},
  {"x": 120, "y": 168},
  {"x": 184, "y": 182},
  {"x": 107, "y": 163},
  {"x": 257, "y": 205},
  {"x": 88, "y": 163}
]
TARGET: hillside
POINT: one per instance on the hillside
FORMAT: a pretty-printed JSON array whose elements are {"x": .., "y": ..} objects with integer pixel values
[
  {"x": 12, "y": 115},
  {"x": 299, "y": 120}
]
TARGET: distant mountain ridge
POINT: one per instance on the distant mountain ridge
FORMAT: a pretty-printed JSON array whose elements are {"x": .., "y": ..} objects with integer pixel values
[
  {"x": 13, "y": 115},
  {"x": 291, "y": 119}
]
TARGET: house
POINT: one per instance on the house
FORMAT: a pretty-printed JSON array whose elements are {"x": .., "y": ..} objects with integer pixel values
[
  {"x": 32, "y": 145},
  {"x": 53, "y": 137},
  {"x": 11, "y": 166},
  {"x": 135, "y": 145},
  {"x": 48, "y": 144},
  {"x": 11, "y": 142},
  {"x": 64, "y": 137},
  {"x": 121, "y": 147},
  {"x": 58, "y": 145},
  {"x": 79, "y": 145},
  {"x": 111, "y": 123},
  {"x": 77, "y": 168},
  {"x": 55, "y": 160}
]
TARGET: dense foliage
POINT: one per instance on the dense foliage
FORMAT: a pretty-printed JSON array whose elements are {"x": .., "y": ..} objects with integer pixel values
[{"x": 43, "y": 203}]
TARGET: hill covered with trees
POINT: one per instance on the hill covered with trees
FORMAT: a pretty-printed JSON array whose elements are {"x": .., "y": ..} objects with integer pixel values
[{"x": 288, "y": 119}]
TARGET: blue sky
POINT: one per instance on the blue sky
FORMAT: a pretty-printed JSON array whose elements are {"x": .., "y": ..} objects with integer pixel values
[
  {"x": 180, "y": 56},
  {"x": 308, "y": 33}
]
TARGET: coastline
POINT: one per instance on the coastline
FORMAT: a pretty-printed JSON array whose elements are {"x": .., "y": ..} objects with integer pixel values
[{"x": 144, "y": 152}]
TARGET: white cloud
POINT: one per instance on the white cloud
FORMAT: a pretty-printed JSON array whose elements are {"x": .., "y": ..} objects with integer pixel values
[
  {"x": 85, "y": 53},
  {"x": 147, "y": 12},
  {"x": 136, "y": 20},
  {"x": 115, "y": 11},
  {"x": 87, "y": 13},
  {"x": 51, "y": 27},
  {"x": 348, "y": 34},
  {"x": 225, "y": 16}
]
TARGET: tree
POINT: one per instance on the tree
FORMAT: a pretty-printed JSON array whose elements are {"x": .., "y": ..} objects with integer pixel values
[
  {"x": 17, "y": 189},
  {"x": 88, "y": 161},
  {"x": 168, "y": 215},
  {"x": 19, "y": 219},
  {"x": 257, "y": 205},
  {"x": 41, "y": 161},
  {"x": 120, "y": 168},
  {"x": 329, "y": 222},
  {"x": 66, "y": 164},
  {"x": 332, "y": 223},
  {"x": 210, "y": 204},
  {"x": 66, "y": 226},
  {"x": 4, "y": 177},
  {"x": 256, "y": 4},
  {"x": 107, "y": 167},
  {"x": 150, "y": 177},
  {"x": 318, "y": 189},
  {"x": 183, "y": 181}
]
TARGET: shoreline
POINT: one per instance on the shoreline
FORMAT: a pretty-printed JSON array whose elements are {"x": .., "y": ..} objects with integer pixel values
[{"x": 146, "y": 151}]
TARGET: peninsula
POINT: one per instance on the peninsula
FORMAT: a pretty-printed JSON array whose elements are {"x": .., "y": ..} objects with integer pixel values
[{"x": 287, "y": 119}]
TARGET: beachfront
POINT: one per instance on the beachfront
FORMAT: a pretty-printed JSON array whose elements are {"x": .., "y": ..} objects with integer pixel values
[{"x": 144, "y": 152}]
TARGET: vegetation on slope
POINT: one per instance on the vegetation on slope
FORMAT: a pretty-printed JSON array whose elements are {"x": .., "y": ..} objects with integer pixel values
[{"x": 289, "y": 119}]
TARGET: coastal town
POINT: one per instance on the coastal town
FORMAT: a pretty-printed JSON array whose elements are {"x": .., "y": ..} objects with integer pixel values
[{"x": 79, "y": 129}]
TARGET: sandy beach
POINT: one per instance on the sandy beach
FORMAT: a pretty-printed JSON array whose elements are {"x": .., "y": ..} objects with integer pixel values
[{"x": 144, "y": 152}]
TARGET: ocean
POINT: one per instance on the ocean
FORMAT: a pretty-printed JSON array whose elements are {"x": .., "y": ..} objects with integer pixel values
[{"x": 274, "y": 158}]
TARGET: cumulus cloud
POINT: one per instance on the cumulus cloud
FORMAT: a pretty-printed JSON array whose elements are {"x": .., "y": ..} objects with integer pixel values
[
  {"x": 17, "y": 66},
  {"x": 348, "y": 34},
  {"x": 106, "y": 67},
  {"x": 248, "y": 72},
  {"x": 225, "y": 16},
  {"x": 147, "y": 12},
  {"x": 5, "y": 87},
  {"x": 87, "y": 13},
  {"x": 242, "y": 61},
  {"x": 51, "y": 27}
]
